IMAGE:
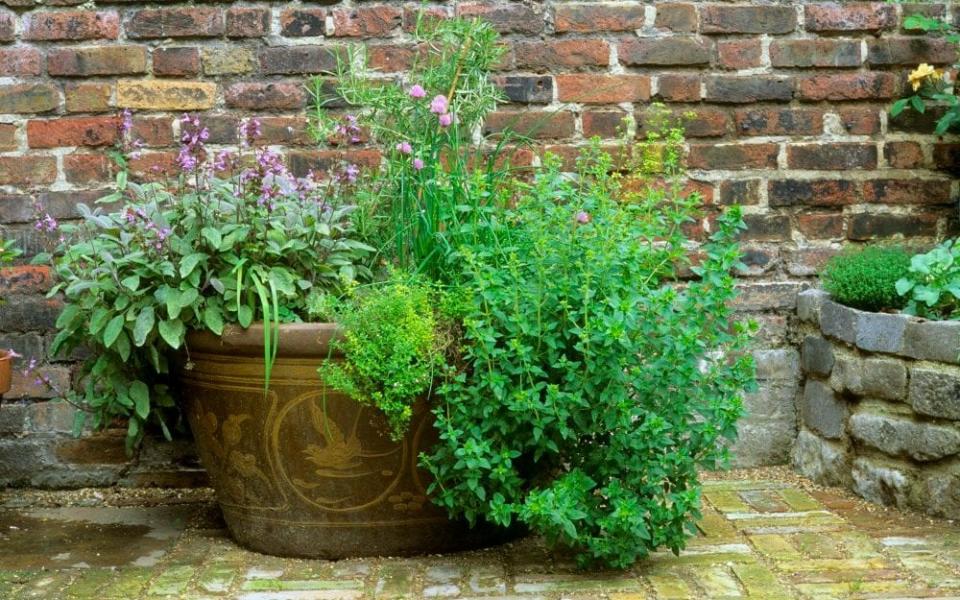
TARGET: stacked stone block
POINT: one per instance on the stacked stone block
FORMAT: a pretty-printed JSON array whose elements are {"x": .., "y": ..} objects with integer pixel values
[{"x": 880, "y": 410}]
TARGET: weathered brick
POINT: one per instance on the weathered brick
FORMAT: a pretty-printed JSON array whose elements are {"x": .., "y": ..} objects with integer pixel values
[
  {"x": 766, "y": 228},
  {"x": 910, "y": 51},
  {"x": 71, "y": 25},
  {"x": 426, "y": 13},
  {"x": 506, "y": 18},
  {"x": 266, "y": 96},
  {"x": 745, "y": 192},
  {"x": 527, "y": 90},
  {"x": 739, "y": 54},
  {"x": 848, "y": 86},
  {"x": 867, "y": 226},
  {"x": 71, "y": 131},
  {"x": 947, "y": 157},
  {"x": 244, "y": 22},
  {"x": 812, "y": 192},
  {"x": 677, "y": 17},
  {"x": 733, "y": 156},
  {"x": 832, "y": 156},
  {"x": 815, "y": 53},
  {"x": 536, "y": 125},
  {"x": 849, "y": 16},
  {"x": 742, "y": 90},
  {"x": 820, "y": 226},
  {"x": 664, "y": 51},
  {"x": 195, "y": 21},
  {"x": 860, "y": 121},
  {"x": 97, "y": 60},
  {"x": 8, "y": 136},
  {"x": 20, "y": 62},
  {"x": 908, "y": 191},
  {"x": 176, "y": 62},
  {"x": 593, "y": 18},
  {"x": 602, "y": 123},
  {"x": 721, "y": 18},
  {"x": 27, "y": 170},
  {"x": 701, "y": 123},
  {"x": 228, "y": 61},
  {"x": 559, "y": 55},
  {"x": 302, "y": 162},
  {"x": 305, "y": 22},
  {"x": 8, "y": 26},
  {"x": 778, "y": 121},
  {"x": 88, "y": 97},
  {"x": 678, "y": 88},
  {"x": 365, "y": 21},
  {"x": 87, "y": 168},
  {"x": 28, "y": 98},
  {"x": 903, "y": 155},
  {"x": 390, "y": 58},
  {"x": 603, "y": 89},
  {"x": 166, "y": 95},
  {"x": 298, "y": 59}
]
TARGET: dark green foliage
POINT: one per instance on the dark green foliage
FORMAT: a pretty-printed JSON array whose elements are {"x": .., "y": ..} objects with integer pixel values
[{"x": 867, "y": 278}]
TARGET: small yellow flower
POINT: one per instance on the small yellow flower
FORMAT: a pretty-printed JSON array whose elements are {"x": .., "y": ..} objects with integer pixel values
[{"x": 923, "y": 73}]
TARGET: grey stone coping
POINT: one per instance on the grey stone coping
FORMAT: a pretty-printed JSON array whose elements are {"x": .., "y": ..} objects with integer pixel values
[{"x": 897, "y": 334}]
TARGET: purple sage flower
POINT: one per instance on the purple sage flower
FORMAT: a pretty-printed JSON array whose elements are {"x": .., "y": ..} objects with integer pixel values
[
  {"x": 126, "y": 122},
  {"x": 439, "y": 104},
  {"x": 249, "y": 131},
  {"x": 404, "y": 148},
  {"x": 418, "y": 92}
]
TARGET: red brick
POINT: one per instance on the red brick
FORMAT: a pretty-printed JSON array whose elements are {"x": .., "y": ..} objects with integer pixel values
[
  {"x": 720, "y": 18},
  {"x": 850, "y": 16},
  {"x": 21, "y": 61},
  {"x": 779, "y": 121},
  {"x": 71, "y": 25},
  {"x": 907, "y": 191},
  {"x": 28, "y": 98},
  {"x": 678, "y": 88},
  {"x": 733, "y": 156},
  {"x": 321, "y": 162},
  {"x": 910, "y": 51},
  {"x": 903, "y": 155},
  {"x": 812, "y": 192},
  {"x": 153, "y": 131},
  {"x": 506, "y": 18},
  {"x": 28, "y": 170},
  {"x": 820, "y": 226},
  {"x": 154, "y": 166},
  {"x": 744, "y": 90},
  {"x": 832, "y": 156},
  {"x": 86, "y": 168},
  {"x": 266, "y": 96},
  {"x": 860, "y": 121},
  {"x": 680, "y": 18},
  {"x": 97, "y": 60},
  {"x": 745, "y": 192},
  {"x": 8, "y": 136},
  {"x": 866, "y": 226},
  {"x": 603, "y": 89},
  {"x": 848, "y": 86},
  {"x": 72, "y": 131},
  {"x": 766, "y": 228},
  {"x": 25, "y": 279},
  {"x": 88, "y": 97},
  {"x": 176, "y": 62},
  {"x": 390, "y": 58},
  {"x": 547, "y": 125},
  {"x": 365, "y": 21},
  {"x": 298, "y": 60},
  {"x": 739, "y": 54},
  {"x": 597, "y": 18},
  {"x": 425, "y": 13},
  {"x": 815, "y": 53},
  {"x": 664, "y": 51},
  {"x": 182, "y": 21},
  {"x": 243, "y": 22},
  {"x": 305, "y": 22},
  {"x": 561, "y": 54},
  {"x": 603, "y": 123}
]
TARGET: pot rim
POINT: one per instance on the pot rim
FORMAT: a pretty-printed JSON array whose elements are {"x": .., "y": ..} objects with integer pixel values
[
  {"x": 296, "y": 340},
  {"x": 6, "y": 354}
]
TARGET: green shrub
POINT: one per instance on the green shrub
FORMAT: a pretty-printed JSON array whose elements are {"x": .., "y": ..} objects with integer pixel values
[
  {"x": 932, "y": 284},
  {"x": 867, "y": 278}
]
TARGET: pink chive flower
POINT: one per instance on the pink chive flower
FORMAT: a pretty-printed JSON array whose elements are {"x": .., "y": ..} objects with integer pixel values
[
  {"x": 417, "y": 91},
  {"x": 446, "y": 119},
  {"x": 404, "y": 147},
  {"x": 583, "y": 217},
  {"x": 439, "y": 105},
  {"x": 417, "y": 164}
]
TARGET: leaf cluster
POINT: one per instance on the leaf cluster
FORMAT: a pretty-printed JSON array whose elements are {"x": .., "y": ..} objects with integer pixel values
[{"x": 932, "y": 284}]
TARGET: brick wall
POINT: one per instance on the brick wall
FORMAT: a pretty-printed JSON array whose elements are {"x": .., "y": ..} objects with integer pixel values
[{"x": 789, "y": 103}]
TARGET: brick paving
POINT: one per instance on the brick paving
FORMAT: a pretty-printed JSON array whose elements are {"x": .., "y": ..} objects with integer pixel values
[{"x": 760, "y": 538}]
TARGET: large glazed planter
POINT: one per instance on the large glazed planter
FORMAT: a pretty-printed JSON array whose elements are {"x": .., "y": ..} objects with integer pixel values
[{"x": 304, "y": 470}]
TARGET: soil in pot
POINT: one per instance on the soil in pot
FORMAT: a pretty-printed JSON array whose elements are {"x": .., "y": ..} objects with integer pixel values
[{"x": 306, "y": 471}]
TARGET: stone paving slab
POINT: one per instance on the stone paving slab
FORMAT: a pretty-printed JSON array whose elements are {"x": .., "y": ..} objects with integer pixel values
[{"x": 760, "y": 538}]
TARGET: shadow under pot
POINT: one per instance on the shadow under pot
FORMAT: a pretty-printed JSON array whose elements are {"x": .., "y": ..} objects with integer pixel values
[{"x": 304, "y": 470}]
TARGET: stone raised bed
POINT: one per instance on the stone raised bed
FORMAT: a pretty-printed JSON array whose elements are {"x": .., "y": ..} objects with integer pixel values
[{"x": 880, "y": 408}]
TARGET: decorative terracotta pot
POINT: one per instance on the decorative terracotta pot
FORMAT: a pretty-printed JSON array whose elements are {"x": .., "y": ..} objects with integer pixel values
[
  {"x": 306, "y": 471},
  {"x": 6, "y": 370}
]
